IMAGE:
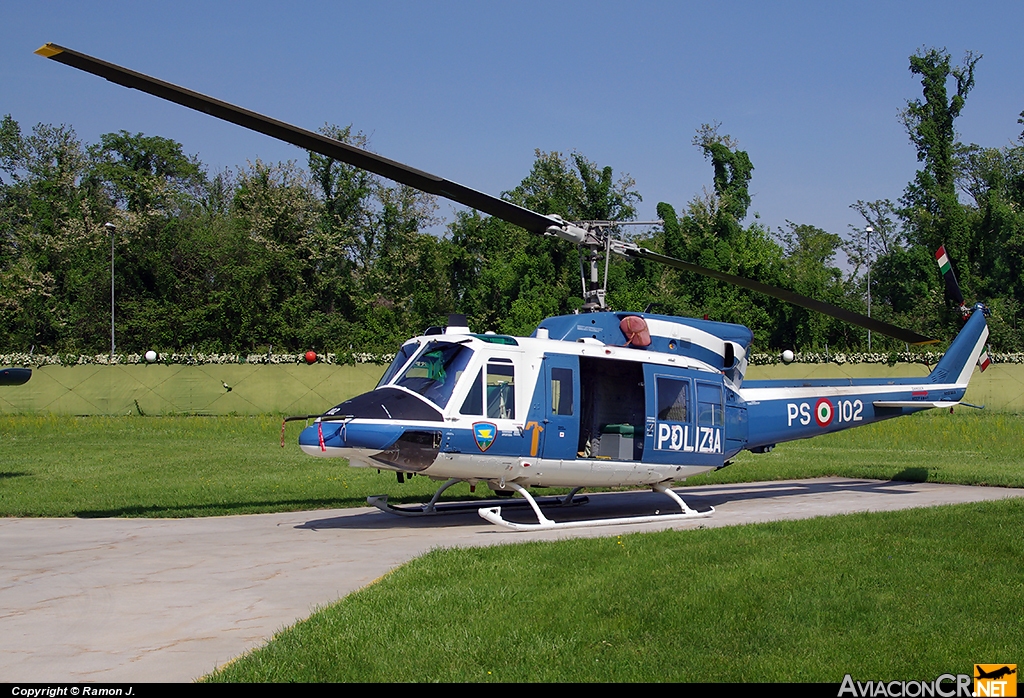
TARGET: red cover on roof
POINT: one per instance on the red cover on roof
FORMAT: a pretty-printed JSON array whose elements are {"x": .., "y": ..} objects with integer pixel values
[{"x": 635, "y": 329}]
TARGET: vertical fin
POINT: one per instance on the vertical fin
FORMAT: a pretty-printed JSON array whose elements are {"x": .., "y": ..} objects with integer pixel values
[{"x": 958, "y": 362}]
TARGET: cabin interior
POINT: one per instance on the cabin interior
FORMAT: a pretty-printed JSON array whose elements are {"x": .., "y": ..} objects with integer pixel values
[{"x": 612, "y": 397}]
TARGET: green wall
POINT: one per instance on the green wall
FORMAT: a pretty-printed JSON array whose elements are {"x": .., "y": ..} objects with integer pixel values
[
  {"x": 161, "y": 389},
  {"x": 301, "y": 389}
]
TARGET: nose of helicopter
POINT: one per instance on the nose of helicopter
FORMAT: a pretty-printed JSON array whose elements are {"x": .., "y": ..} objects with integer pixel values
[
  {"x": 327, "y": 438},
  {"x": 376, "y": 421}
]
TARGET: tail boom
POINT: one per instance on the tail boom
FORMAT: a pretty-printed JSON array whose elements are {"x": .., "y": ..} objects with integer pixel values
[{"x": 785, "y": 410}]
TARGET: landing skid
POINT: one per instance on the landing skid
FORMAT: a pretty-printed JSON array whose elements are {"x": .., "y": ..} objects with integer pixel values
[
  {"x": 493, "y": 514},
  {"x": 432, "y": 507}
]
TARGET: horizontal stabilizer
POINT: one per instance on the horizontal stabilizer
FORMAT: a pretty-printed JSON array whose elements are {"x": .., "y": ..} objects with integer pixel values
[{"x": 915, "y": 403}]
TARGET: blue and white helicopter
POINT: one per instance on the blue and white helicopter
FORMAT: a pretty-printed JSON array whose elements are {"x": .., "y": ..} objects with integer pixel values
[{"x": 596, "y": 399}]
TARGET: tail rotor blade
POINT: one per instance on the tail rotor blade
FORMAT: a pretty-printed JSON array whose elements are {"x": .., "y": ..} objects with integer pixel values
[{"x": 952, "y": 287}]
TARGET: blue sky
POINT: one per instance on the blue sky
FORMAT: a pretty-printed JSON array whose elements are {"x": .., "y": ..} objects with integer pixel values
[{"x": 468, "y": 90}]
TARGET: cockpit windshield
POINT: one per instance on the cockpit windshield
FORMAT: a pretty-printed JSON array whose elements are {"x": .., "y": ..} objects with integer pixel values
[
  {"x": 434, "y": 373},
  {"x": 401, "y": 358}
]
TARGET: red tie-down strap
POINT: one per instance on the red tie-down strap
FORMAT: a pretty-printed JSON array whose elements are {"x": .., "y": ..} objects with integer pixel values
[
  {"x": 320, "y": 433},
  {"x": 635, "y": 329}
]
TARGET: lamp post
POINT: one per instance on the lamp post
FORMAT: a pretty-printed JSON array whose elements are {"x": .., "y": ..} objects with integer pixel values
[
  {"x": 111, "y": 228},
  {"x": 868, "y": 229}
]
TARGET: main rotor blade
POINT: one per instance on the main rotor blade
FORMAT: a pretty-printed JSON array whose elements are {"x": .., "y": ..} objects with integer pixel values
[
  {"x": 316, "y": 142},
  {"x": 426, "y": 182},
  {"x": 788, "y": 296}
]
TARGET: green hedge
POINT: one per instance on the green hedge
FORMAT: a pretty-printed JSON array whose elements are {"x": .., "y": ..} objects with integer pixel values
[{"x": 297, "y": 388}]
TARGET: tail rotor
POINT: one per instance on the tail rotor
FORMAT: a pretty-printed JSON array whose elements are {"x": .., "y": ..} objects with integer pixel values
[{"x": 953, "y": 289}]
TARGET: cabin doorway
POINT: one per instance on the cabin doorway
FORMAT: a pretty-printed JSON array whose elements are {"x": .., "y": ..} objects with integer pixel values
[{"x": 611, "y": 409}]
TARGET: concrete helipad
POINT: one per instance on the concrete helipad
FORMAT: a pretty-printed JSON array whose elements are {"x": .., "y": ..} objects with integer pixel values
[{"x": 133, "y": 600}]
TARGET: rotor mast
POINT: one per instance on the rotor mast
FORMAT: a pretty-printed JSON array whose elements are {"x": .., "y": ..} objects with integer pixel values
[{"x": 600, "y": 244}]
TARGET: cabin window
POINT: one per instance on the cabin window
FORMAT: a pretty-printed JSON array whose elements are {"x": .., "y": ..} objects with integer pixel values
[
  {"x": 709, "y": 404},
  {"x": 435, "y": 372},
  {"x": 501, "y": 389},
  {"x": 561, "y": 391},
  {"x": 673, "y": 400}
]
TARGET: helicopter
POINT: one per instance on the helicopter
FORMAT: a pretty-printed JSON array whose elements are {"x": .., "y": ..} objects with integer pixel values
[{"x": 600, "y": 398}]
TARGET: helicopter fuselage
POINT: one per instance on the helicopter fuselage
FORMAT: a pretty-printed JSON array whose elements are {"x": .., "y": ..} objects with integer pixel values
[{"x": 579, "y": 404}]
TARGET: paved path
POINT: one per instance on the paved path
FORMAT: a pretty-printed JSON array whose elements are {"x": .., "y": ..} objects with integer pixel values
[{"x": 171, "y": 599}]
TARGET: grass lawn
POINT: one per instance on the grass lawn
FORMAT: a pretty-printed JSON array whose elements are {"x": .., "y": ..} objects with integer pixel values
[
  {"x": 173, "y": 467},
  {"x": 205, "y": 466},
  {"x": 902, "y": 595}
]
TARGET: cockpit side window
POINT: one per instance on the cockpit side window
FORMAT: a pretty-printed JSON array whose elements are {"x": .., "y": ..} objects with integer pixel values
[{"x": 435, "y": 372}]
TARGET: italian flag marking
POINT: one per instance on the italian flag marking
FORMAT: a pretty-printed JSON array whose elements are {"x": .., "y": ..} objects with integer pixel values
[
  {"x": 823, "y": 412},
  {"x": 983, "y": 360}
]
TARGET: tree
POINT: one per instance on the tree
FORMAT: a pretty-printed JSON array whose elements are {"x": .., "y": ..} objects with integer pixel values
[
  {"x": 711, "y": 234},
  {"x": 52, "y": 234},
  {"x": 343, "y": 233},
  {"x": 140, "y": 172},
  {"x": 904, "y": 283},
  {"x": 368, "y": 260},
  {"x": 732, "y": 173},
  {"x": 994, "y": 178},
  {"x": 886, "y": 233},
  {"x": 808, "y": 268},
  {"x": 984, "y": 238},
  {"x": 931, "y": 208},
  {"x": 575, "y": 189},
  {"x": 507, "y": 279}
]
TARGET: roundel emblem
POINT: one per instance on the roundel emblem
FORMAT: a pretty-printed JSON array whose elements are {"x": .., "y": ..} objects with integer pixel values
[{"x": 823, "y": 412}]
